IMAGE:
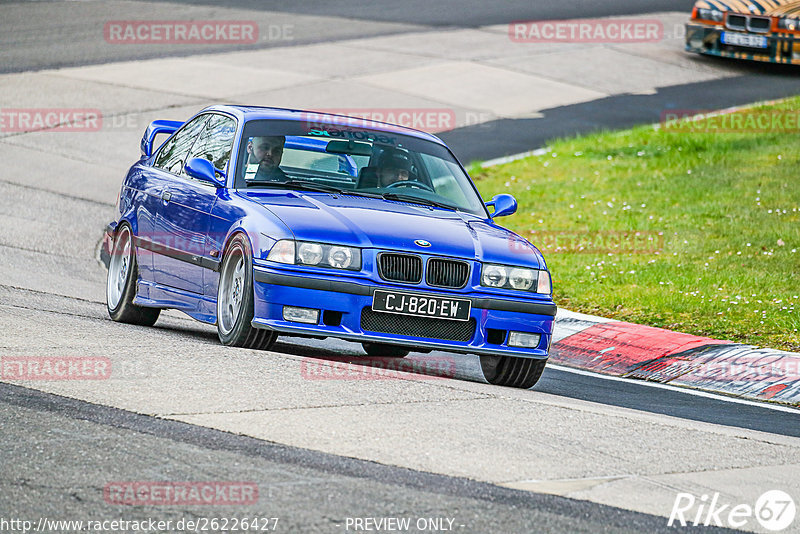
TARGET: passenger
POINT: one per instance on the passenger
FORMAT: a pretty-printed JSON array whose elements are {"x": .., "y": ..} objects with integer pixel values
[{"x": 267, "y": 152}]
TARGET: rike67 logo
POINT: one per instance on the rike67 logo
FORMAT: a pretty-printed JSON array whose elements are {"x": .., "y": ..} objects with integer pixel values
[{"x": 775, "y": 511}]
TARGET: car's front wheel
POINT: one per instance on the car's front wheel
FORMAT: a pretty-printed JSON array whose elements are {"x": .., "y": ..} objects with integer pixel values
[
  {"x": 235, "y": 299},
  {"x": 121, "y": 283},
  {"x": 512, "y": 372}
]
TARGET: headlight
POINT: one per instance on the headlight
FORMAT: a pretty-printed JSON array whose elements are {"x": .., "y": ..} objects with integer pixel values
[
  {"x": 516, "y": 278},
  {"x": 521, "y": 279},
  {"x": 494, "y": 276},
  {"x": 316, "y": 254},
  {"x": 340, "y": 257},
  {"x": 310, "y": 253},
  {"x": 789, "y": 23},
  {"x": 713, "y": 15}
]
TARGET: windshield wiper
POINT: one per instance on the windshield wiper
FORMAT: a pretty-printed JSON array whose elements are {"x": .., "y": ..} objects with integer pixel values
[
  {"x": 357, "y": 193},
  {"x": 418, "y": 200},
  {"x": 302, "y": 185}
]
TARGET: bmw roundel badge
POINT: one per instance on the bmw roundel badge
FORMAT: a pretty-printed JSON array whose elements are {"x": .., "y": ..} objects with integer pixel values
[{"x": 422, "y": 243}]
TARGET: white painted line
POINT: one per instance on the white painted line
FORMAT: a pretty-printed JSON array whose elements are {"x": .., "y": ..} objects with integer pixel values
[
  {"x": 514, "y": 157},
  {"x": 563, "y": 313},
  {"x": 686, "y": 390}
]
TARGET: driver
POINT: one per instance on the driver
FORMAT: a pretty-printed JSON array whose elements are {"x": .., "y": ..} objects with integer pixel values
[
  {"x": 393, "y": 166},
  {"x": 267, "y": 152}
]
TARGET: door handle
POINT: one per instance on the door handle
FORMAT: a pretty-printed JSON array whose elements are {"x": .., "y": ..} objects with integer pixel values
[{"x": 166, "y": 196}]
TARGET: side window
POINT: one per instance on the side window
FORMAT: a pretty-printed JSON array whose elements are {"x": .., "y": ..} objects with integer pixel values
[
  {"x": 172, "y": 155},
  {"x": 215, "y": 142}
]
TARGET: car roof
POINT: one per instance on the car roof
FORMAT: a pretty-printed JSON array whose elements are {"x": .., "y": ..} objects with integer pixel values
[{"x": 248, "y": 113}]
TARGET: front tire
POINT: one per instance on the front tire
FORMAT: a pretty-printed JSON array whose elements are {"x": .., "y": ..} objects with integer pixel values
[
  {"x": 235, "y": 299},
  {"x": 123, "y": 273},
  {"x": 512, "y": 372}
]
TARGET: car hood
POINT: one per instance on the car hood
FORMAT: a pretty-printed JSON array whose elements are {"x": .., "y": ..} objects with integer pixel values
[
  {"x": 773, "y": 8},
  {"x": 392, "y": 225}
]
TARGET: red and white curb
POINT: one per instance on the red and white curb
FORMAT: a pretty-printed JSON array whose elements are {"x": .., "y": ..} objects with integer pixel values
[{"x": 634, "y": 351}]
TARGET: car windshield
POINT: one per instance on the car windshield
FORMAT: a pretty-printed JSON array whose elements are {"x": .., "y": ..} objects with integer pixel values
[{"x": 351, "y": 159}]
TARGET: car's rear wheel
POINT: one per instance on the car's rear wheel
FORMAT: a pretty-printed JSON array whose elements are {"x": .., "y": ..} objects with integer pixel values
[
  {"x": 235, "y": 299},
  {"x": 376, "y": 350},
  {"x": 121, "y": 283},
  {"x": 512, "y": 372}
]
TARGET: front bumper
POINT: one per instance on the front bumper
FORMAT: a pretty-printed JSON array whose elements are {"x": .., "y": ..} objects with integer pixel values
[
  {"x": 707, "y": 39},
  {"x": 343, "y": 301}
]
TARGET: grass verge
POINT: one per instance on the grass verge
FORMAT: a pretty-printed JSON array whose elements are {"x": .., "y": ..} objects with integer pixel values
[{"x": 685, "y": 228}]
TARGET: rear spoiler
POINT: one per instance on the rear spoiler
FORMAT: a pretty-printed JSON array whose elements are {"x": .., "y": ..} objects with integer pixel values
[{"x": 155, "y": 128}]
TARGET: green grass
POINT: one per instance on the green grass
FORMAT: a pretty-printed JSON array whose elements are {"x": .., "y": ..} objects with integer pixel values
[{"x": 728, "y": 208}]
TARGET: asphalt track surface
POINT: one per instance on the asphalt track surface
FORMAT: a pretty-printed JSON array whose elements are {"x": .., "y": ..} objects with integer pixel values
[
  {"x": 307, "y": 491},
  {"x": 46, "y": 35},
  {"x": 461, "y": 13},
  {"x": 59, "y": 452}
]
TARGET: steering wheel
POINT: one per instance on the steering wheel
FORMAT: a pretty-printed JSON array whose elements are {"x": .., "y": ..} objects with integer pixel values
[{"x": 415, "y": 184}]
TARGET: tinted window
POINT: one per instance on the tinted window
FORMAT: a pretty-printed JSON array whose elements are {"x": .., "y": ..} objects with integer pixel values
[
  {"x": 172, "y": 155},
  {"x": 356, "y": 159},
  {"x": 216, "y": 141}
]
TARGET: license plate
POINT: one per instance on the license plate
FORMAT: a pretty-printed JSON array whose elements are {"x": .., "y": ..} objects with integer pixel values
[
  {"x": 421, "y": 305},
  {"x": 741, "y": 39}
]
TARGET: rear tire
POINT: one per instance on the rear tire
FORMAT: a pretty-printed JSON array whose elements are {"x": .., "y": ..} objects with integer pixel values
[
  {"x": 123, "y": 274},
  {"x": 377, "y": 350},
  {"x": 235, "y": 300},
  {"x": 512, "y": 372}
]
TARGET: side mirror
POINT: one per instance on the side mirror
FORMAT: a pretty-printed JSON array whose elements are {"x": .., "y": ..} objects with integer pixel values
[
  {"x": 203, "y": 170},
  {"x": 503, "y": 205}
]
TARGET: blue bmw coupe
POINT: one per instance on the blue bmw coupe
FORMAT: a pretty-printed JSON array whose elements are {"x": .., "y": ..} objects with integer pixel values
[{"x": 271, "y": 222}]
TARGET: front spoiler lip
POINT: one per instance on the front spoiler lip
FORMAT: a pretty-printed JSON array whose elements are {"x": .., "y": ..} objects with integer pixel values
[
  {"x": 338, "y": 286},
  {"x": 761, "y": 55},
  {"x": 415, "y": 344},
  {"x": 770, "y": 35}
]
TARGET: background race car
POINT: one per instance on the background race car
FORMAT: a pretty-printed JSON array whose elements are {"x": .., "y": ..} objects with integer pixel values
[{"x": 767, "y": 30}]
